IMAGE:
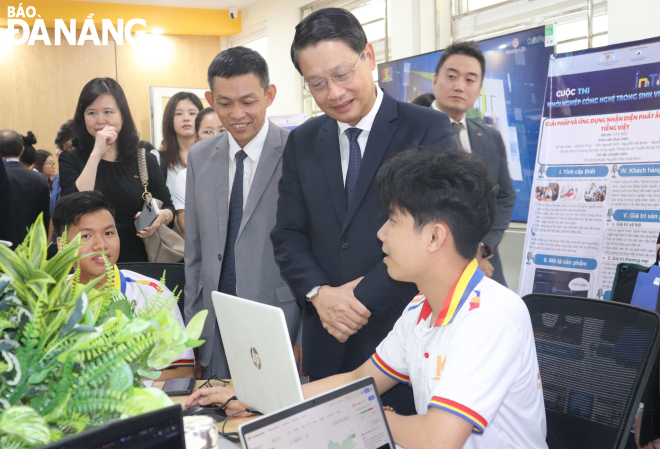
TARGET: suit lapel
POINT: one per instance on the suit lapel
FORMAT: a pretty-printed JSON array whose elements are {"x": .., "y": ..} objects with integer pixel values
[
  {"x": 271, "y": 153},
  {"x": 220, "y": 164},
  {"x": 328, "y": 144},
  {"x": 476, "y": 138},
  {"x": 381, "y": 133}
]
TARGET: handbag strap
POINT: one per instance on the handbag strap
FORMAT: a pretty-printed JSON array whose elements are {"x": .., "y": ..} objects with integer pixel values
[{"x": 144, "y": 174}]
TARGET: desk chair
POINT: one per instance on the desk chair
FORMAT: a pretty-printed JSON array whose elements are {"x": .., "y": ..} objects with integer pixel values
[
  {"x": 174, "y": 274},
  {"x": 595, "y": 358}
]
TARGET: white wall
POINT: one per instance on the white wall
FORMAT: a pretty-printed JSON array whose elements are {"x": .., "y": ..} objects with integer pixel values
[
  {"x": 412, "y": 27},
  {"x": 281, "y": 18},
  {"x": 631, "y": 20}
]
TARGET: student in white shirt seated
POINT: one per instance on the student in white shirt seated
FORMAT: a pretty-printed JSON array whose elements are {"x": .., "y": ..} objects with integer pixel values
[
  {"x": 465, "y": 344},
  {"x": 91, "y": 215}
]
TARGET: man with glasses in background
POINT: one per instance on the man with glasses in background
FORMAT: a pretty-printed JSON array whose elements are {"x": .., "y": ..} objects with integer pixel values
[{"x": 328, "y": 211}]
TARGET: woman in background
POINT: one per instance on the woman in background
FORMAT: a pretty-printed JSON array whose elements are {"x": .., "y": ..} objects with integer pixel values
[
  {"x": 207, "y": 124},
  {"x": 178, "y": 134},
  {"x": 45, "y": 164},
  {"x": 105, "y": 159}
]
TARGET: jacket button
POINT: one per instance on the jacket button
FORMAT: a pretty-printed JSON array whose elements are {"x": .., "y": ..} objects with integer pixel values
[
  {"x": 220, "y": 257},
  {"x": 345, "y": 245}
]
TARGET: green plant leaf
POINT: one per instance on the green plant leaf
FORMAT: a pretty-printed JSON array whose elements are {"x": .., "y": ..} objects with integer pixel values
[
  {"x": 196, "y": 325},
  {"x": 122, "y": 379},
  {"x": 8, "y": 345},
  {"x": 23, "y": 422},
  {"x": 123, "y": 306},
  {"x": 190, "y": 343},
  {"x": 146, "y": 400},
  {"x": 77, "y": 314},
  {"x": 149, "y": 374}
]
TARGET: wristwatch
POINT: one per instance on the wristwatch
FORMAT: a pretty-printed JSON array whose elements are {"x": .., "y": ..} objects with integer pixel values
[{"x": 312, "y": 293}]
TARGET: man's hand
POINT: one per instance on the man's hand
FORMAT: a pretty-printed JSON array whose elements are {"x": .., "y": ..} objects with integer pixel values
[
  {"x": 217, "y": 395},
  {"x": 342, "y": 315},
  {"x": 484, "y": 263}
]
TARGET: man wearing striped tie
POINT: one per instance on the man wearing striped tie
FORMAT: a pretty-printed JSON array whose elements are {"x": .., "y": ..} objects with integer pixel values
[{"x": 457, "y": 84}]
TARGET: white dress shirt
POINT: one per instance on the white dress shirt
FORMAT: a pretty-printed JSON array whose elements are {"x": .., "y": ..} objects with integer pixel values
[
  {"x": 465, "y": 138},
  {"x": 365, "y": 125},
  {"x": 253, "y": 151}
]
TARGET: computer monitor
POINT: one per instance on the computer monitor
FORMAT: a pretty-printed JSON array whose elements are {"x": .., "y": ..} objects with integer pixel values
[
  {"x": 259, "y": 353},
  {"x": 348, "y": 417},
  {"x": 160, "y": 429}
]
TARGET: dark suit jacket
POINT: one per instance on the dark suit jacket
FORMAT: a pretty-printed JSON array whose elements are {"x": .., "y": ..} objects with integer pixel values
[
  {"x": 318, "y": 241},
  {"x": 30, "y": 197},
  {"x": 6, "y": 205},
  {"x": 487, "y": 144}
]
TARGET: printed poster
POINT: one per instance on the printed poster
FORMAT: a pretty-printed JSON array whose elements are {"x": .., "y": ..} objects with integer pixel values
[{"x": 595, "y": 199}]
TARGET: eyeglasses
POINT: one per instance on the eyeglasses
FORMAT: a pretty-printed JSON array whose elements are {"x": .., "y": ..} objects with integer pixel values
[
  {"x": 341, "y": 79},
  {"x": 210, "y": 132},
  {"x": 50, "y": 163}
]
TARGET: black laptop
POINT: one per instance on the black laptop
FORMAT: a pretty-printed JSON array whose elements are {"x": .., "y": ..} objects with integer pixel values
[{"x": 162, "y": 429}]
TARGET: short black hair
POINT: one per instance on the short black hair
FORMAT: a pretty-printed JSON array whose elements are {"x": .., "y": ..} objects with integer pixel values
[
  {"x": 425, "y": 100},
  {"x": 237, "y": 61},
  {"x": 64, "y": 134},
  {"x": 452, "y": 187},
  {"x": 70, "y": 208},
  {"x": 467, "y": 48},
  {"x": 11, "y": 143},
  {"x": 328, "y": 24}
]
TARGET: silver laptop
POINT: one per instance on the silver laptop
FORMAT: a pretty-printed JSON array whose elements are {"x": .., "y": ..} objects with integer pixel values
[
  {"x": 259, "y": 353},
  {"x": 348, "y": 417}
]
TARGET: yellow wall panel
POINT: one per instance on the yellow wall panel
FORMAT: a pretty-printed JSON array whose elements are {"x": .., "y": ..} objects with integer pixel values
[
  {"x": 40, "y": 85},
  {"x": 169, "y": 61}
]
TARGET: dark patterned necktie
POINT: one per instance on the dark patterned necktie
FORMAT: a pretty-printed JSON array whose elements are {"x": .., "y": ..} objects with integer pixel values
[
  {"x": 353, "y": 163},
  {"x": 458, "y": 127},
  {"x": 228, "y": 273}
]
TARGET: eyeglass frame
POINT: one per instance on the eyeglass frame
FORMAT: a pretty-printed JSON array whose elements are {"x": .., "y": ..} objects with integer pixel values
[{"x": 333, "y": 78}]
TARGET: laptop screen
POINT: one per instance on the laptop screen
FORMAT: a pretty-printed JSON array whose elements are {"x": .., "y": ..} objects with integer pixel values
[
  {"x": 162, "y": 429},
  {"x": 350, "y": 417}
]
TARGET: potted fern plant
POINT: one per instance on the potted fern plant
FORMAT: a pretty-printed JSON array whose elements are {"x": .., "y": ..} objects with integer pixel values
[{"x": 73, "y": 358}]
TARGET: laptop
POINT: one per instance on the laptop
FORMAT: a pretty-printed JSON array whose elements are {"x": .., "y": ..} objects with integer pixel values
[
  {"x": 259, "y": 353},
  {"x": 345, "y": 418},
  {"x": 162, "y": 429}
]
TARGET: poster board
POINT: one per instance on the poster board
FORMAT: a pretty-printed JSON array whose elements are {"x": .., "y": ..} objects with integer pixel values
[{"x": 596, "y": 189}]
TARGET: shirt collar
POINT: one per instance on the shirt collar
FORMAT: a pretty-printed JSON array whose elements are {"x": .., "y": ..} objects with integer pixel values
[
  {"x": 253, "y": 147},
  {"x": 12, "y": 159},
  {"x": 462, "y": 121},
  {"x": 368, "y": 120},
  {"x": 457, "y": 296}
]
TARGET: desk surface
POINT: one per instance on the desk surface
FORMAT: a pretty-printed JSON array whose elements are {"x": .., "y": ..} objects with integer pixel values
[{"x": 232, "y": 424}]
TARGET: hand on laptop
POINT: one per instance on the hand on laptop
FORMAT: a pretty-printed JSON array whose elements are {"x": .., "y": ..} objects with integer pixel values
[
  {"x": 218, "y": 395},
  {"x": 342, "y": 315}
]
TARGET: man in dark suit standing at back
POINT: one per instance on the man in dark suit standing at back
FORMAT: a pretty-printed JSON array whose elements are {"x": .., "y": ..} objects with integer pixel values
[
  {"x": 29, "y": 189},
  {"x": 457, "y": 84},
  {"x": 328, "y": 211}
]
